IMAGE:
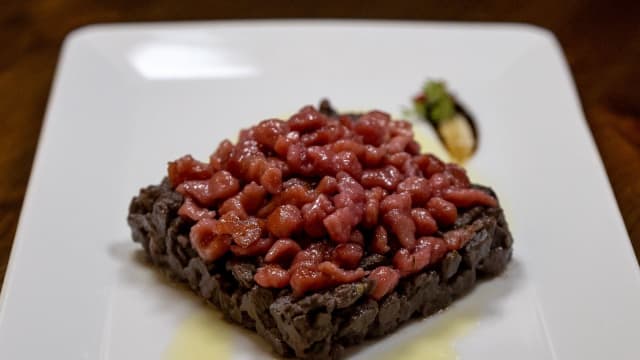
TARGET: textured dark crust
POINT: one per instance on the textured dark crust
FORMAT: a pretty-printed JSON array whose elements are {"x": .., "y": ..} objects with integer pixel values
[{"x": 321, "y": 325}]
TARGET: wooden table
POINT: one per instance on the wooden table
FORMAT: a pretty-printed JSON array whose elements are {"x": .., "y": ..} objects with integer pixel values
[{"x": 601, "y": 41}]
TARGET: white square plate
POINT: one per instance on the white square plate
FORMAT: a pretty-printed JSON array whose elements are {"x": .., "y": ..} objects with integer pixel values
[{"x": 128, "y": 98}]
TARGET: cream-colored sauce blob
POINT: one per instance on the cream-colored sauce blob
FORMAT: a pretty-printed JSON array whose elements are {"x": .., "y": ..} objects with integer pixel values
[
  {"x": 428, "y": 141},
  {"x": 205, "y": 335},
  {"x": 436, "y": 344},
  {"x": 458, "y": 137}
]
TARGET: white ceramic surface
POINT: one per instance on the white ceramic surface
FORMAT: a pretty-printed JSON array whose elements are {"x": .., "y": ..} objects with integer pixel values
[{"x": 128, "y": 98}]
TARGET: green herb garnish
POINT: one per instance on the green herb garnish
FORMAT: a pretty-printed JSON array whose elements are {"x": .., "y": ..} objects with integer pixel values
[{"x": 436, "y": 104}]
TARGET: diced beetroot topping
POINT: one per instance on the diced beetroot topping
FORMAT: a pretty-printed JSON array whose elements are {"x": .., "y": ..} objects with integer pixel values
[
  {"x": 282, "y": 250},
  {"x": 348, "y": 255},
  {"x": 272, "y": 276},
  {"x": 284, "y": 221},
  {"x": 469, "y": 197},
  {"x": 257, "y": 248},
  {"x": 386, "y": 279},
  {"x": 380, "y": 242},
  {"x": 209, "y": 244},
  {"x": 193, "y": 211},
  {"x": 425, "y": 224},
  {"x": 444, "y": 212},
  {"x": 339, "y": 275},
  {"x": 310, "y": 196},
  {"x": 187, "y": 168},
  {"x": 306, "y": 278}
]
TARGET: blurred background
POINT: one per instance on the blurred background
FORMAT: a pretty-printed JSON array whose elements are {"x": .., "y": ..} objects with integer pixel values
[{"x": 601, "y": 40}]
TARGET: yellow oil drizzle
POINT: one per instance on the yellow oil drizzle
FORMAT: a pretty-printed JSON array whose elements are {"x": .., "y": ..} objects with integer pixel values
[
  {"x": 438, "y": 343},
  {"x": 205, "y": 335},
  {"x": 202, "y": 336}
]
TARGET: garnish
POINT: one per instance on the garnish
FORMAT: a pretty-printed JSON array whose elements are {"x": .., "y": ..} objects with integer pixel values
[
  {"x": 439, "y": 104},
  {"x": 454, "y": 127}
]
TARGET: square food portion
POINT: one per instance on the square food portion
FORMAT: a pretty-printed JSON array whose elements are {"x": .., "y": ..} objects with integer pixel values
[{"x": 322, "y": 230}]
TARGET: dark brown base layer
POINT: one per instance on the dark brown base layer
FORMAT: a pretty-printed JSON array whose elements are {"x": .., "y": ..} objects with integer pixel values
[{"x": 321, "y": 325}]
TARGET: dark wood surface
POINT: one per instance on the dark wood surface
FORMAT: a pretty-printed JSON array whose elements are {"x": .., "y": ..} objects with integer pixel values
[{"x": 601, "y": 40}]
